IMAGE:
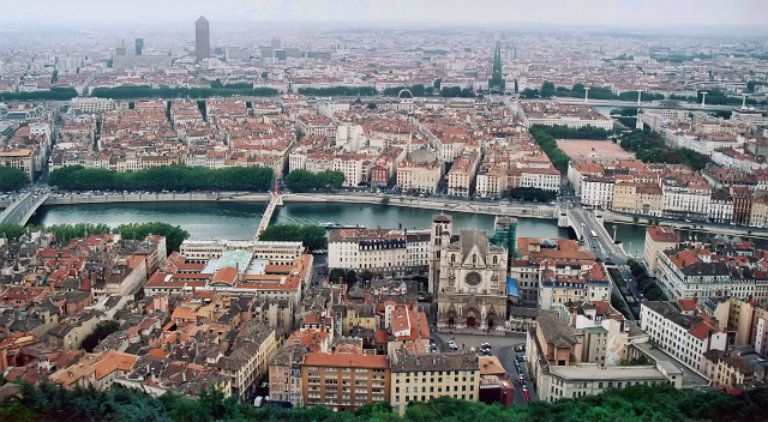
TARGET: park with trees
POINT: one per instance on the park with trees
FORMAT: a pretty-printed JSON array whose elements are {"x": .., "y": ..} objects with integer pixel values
[
  {"x": 12, "y": 179},
  {"x": 138, "y": 92},
  {"x": 312, "y": 236},
  {"x": 339, "y": 91},
  {"x": 649, "y": 147},
  {"x": 548, "y": 144},
  {"x": 306, "y": 181},
  {"x": 53, "y": 94},
  {"x": 530, "y": 194},
  {"x": 172, "y": 178}
]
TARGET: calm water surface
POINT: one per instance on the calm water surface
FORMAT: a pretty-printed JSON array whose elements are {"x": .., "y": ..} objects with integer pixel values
[{"x": 232, "y": 220}]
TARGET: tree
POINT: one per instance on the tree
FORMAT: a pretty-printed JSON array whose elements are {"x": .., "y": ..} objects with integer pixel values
[
  {"x": 53, "y": 94},
  {"x": 530, "y": 194},
  {"x": 174, "y": 235},
  {"x": 385, "y": 200},
  {"x": 67, "y": 232},
  {"x": 548, "y": 144},
  {"x": 103, "y": 329},
  {"x": 636, "y": 403},
  {"x": 547, "y": 90},
  {"x": 529, "y": 93},
  {"x": 348, "y": 276},
  {"x": 306, "y": 181},
  {"x": 343, "y": 91},
  {"x": 565, "y": 132},
  {"x": 172, "y": 178},
  {"x": 312, "y": 236},
  {"x": 11, "y": 231},
  {"x": 648, "y": 146},
  {"x": 137, "y": 92},
  {"x": 335, "y": 275}
]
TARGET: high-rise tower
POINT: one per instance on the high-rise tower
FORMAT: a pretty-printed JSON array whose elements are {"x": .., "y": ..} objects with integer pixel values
[
  {"x": 202, "y": 39},
  {"x": 496, "y": 83}
]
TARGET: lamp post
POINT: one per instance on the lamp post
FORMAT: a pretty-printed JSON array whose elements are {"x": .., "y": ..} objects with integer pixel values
[{"x": 586, "y": 94}]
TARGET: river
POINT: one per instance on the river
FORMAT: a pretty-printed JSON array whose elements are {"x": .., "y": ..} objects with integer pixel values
[{"x": 238, "y": 220}]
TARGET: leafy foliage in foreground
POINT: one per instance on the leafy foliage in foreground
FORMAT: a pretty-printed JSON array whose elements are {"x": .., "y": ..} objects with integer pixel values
[{"x": 636, "y": 403}]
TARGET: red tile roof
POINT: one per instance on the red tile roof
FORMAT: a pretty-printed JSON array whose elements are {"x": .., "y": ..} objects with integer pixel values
[{"x": 339, "y": 360}]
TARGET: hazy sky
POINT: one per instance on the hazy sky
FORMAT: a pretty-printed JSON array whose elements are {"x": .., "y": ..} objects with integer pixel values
[{"x": 654, "y": 13}]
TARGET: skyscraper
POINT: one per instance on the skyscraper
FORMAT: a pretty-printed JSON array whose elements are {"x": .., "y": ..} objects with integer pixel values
[
  {"x": 496, "y": 83},
  {"x": 202, "y": 39},
  {"x": 138, "y": 46}
]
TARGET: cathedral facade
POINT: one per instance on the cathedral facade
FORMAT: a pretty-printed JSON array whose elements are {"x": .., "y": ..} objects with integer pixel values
[{"x": 468, "y": 275}]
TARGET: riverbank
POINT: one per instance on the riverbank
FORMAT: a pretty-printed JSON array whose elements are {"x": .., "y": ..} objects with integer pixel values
[
  {"x": 207, "y": 220},
  {"x": 542, "y": 211},
  {"x": 473, "y": 207}
]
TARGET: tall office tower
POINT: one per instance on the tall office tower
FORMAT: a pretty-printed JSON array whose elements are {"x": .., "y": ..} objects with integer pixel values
[
  {"x": 202, "y": 39},
  {"x": 275, "y": 43},
  {"x": 138, "y": 47}
]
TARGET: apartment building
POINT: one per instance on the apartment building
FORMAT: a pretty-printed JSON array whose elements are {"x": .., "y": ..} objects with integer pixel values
[
  {"x": 462, "y": 174},
  {"x": 422, "y": 378},
  {"x": 420, "y": 171},
  {"x": 345, "y": 381},
  {"x": 20, "y": 159},
  {"x": 597, "y": 191},
  {"x": 544, "y": 178},
  {"x": 559, "y": 258},
  {"x": 252, "y": 352},
  {"x": 683, "y": 336},
  {"x": 657, "y": 239},
  {"x": 688, "y": 273},
  {"x": 563, "y": 283},
  {"x": 285, "y": 374},
  {"x": 561, "y": 365},
  {"x": 376, "y": 250},
  {"x": 684, "y": 199},
  {"x": 727, "y": 369}
]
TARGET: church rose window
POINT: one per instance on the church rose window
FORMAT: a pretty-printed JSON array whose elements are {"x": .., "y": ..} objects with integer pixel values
[{"x": 473, "y": 278}]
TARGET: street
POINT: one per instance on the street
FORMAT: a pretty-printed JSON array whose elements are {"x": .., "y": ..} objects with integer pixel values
[
  {"x": 595, "y": 236},
  {"x": 17, "y": 211},
  {"x": 502, "y": 347}
]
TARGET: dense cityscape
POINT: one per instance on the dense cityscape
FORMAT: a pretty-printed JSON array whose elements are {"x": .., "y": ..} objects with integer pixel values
[{"x": 221, "y": 221}]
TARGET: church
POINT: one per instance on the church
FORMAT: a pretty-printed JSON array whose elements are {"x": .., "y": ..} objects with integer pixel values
[{"x": 468, "y": 275}]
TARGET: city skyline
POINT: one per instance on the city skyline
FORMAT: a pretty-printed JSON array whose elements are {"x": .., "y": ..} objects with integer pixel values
[{"x": 618, "y": 13}]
